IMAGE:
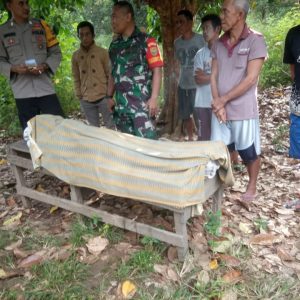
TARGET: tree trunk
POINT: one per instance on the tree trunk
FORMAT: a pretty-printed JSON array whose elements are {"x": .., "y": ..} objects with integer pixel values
[{"x": 167, "y": 10}]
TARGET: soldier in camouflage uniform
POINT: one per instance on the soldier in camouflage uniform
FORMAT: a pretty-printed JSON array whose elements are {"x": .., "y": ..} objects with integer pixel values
[{"x": 136, "y": 74}]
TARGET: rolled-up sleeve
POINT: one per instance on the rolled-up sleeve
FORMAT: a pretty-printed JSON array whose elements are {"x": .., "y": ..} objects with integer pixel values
[{"x": 53, "y": 58}]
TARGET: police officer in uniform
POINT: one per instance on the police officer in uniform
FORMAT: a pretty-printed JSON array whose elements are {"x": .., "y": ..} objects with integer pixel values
[{"x": 29, "y": 55}]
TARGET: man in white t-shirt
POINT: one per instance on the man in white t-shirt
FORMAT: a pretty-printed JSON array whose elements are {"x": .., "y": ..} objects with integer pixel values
[{"x": 211, "y": 26}]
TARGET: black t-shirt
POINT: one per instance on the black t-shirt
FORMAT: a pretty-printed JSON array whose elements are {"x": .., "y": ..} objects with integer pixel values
[{"x": 292, "y": 52}]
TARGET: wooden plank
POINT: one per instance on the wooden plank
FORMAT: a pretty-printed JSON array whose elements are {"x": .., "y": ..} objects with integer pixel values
[
  {"x": 116, "y": 220},
  {"x": 25, "y": 163},
  {"x": 19, "y": 146}
]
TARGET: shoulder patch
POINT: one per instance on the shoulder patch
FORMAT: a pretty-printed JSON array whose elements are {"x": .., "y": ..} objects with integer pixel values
[{"x": 50, "y": 36}]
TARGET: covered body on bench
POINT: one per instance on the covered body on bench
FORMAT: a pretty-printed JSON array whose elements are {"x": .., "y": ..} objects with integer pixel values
[{"x": 162, "y": 173}]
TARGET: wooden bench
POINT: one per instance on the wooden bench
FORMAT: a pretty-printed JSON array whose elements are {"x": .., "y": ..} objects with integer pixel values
[{"x": 20, "y": 160}]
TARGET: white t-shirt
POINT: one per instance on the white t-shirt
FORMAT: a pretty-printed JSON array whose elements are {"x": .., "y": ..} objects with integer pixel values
[{"x": 202, "y": 61}]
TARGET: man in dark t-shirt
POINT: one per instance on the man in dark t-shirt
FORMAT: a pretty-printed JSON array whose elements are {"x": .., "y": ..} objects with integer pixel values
[{"x": 292, "y": 57}]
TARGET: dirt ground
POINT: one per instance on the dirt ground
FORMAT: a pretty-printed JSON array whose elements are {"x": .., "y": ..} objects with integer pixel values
[{"x": 265, "y": 229}]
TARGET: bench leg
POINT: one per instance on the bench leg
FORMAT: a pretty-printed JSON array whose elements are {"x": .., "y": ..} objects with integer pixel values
[
  {"x": 217, "y": 199},
  {"x": 18, "y": 172},
  {"x": 76, "y": 194},
  {"x": 180, "y": 219}
]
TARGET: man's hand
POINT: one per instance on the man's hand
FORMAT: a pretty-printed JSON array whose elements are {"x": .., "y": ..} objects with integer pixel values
[
  {"x": 152, "y": 106},
  {"x": 111, "y": 104},
  {"x": 199, "y": 75},
  {"x": 39, "y": 69},
  {"x": 20, "y": 69},
  {"x": 218, "y": 103},
  {"x": 221, "y": 115}
]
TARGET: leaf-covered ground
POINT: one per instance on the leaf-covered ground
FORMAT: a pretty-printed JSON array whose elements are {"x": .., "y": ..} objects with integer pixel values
[{"x": 253, "y": 253}]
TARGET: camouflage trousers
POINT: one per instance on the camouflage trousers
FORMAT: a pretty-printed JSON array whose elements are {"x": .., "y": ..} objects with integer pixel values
[{"x": 137, "y": 123}]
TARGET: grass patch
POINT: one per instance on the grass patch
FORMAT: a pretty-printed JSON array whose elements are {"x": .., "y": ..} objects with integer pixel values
[
  {"x": 269, "y": 287},
  {"x": 211, "y": 290},
  {"x": 280, "y": 136},
  {"x": 57, "y": 280},
  {"x": 141, "y": 262},
  {"x": 7, "y": 237},
  {"x": 213, "y": 223},
  {"x": 84, "y": 228},
  {"x": 112, "y": 233}
]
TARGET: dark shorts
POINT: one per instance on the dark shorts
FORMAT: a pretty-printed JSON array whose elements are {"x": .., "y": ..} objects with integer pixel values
[
  {"x": 203, "y": 121},
  {"x": 186, "y": 103},
  {"x": 30, "y": 107}
]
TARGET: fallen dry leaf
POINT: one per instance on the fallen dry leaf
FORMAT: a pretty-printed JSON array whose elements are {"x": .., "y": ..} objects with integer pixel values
[
  {"x": 40, "y": 188},
  {"x": 3, "y": 161},
  {"x": 232, "y": 276},
  {"x": 229, "y": 295},
  {"x": 11, "y": 202},
  {"x": 2, "y": 274},
  {"x": 128, "y": 289},
  {"x": 221, "y": 246},
  {"x": 293, "y": 265},
  {"x": 172, "y": 254},
  {"x": 13, "y": 219},
  {"x": 284, "y": 211},
  {"x": 33, "y": 259},
  {"x": 213, "y": 265},
  {"x": 53, "y": 209},
  {"x": 20, "y": 253},
  {"x": 229, "y": 260},
  {"x": 167, "y": 272},
  {"x": 97, "y": 244},
  {"x": 264, "y": 239},
  {"x": 203, "y": 277},
  {"x": 9, "y": 274},
  {"x": 284, "y": 254},
  {"x": 245, "y": 228},
  {"x": 14, "y": 245}
]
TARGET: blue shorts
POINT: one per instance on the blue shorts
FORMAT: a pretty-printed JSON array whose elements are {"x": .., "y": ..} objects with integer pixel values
[
  {"x": 295, "y": 136},
  {"x": 242, "y": 136}
]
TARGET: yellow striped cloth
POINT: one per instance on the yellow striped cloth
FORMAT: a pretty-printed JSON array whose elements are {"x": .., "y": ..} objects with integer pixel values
[{"x": 162, "y": 172}]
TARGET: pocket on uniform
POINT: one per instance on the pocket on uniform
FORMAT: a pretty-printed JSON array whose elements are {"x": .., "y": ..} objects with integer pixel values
[
  {"x": 13, "y": 47},
  {"x": 242, "y": 56},
  {"x": 39, "y": 43}
]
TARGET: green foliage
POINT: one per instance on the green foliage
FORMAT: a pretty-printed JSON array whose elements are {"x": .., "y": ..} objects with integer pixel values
[
  {"x": 275, "y": 28},
  {"x": 211, "y": 290},
  {"x": 213, "y": 223},
  {"x": 260, "y": 224},
  {"x": 154, "y": 24}
]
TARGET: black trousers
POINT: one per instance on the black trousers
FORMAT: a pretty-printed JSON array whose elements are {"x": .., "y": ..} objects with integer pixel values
[{"x": 30, "y": 107}]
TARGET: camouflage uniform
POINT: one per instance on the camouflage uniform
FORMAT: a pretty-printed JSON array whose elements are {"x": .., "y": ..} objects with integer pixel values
[{"x": 132, "y": 62}]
